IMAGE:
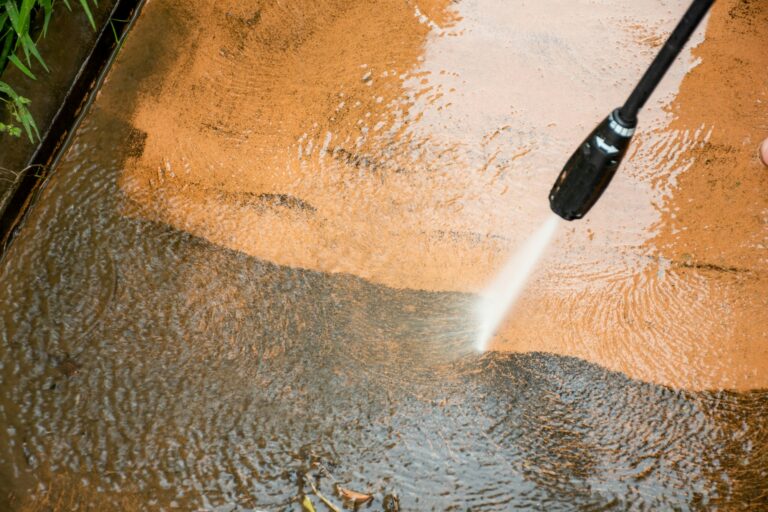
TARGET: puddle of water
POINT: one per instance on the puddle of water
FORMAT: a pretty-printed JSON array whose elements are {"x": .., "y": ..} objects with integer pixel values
[{"x": 213, "y": 294}]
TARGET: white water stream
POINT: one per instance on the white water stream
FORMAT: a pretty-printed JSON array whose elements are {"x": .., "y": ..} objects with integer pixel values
[{"x": 497, "y": 300}]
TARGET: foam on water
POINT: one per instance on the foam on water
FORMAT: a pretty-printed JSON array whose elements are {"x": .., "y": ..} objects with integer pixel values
[{"x": 500, "y": 296}]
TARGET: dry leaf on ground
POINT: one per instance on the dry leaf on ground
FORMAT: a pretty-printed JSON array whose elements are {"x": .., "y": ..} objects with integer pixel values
[{"x": 355, "y": 497}]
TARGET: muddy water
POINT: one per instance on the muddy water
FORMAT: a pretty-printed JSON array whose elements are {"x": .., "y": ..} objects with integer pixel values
[{"x": 262, "y": 250}]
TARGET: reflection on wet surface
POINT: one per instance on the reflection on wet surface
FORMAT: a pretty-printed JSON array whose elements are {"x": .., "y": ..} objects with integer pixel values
[{"x": 209, "y": 299}]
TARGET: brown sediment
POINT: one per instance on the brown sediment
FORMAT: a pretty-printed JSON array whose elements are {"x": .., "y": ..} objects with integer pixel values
[{"x": 413, "y": 143}]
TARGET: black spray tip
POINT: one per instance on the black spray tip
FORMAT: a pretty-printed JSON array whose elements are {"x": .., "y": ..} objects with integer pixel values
[{"x": 588, "y": 172}]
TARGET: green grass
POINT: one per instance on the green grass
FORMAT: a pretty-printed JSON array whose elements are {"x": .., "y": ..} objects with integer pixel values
[{"x": 18, "y": 47}]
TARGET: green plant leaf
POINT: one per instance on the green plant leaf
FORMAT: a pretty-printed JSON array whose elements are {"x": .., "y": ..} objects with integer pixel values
[
  {"x": 27, "y": 128},
  {"x": 17, "y": 106},
  {"x": 13, "y": 131},
  {"x": 27, "y": 122},
  {"x": 13, "y": 14},
  {"x": 18, "y": 47},
  {"x": 88, "y": 13},
  {"x": 8, "y": 39},
  {"x": 31, "y": 47},
  {"x": 8, "y": 91},
  {"x": 47, "y": 11},
  {"x": 25, "y": 14},
  {"x": 24, "y": 69}
]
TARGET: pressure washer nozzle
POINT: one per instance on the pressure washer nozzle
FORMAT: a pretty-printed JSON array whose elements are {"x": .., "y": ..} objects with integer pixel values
[{"x": 588, "y": 172}]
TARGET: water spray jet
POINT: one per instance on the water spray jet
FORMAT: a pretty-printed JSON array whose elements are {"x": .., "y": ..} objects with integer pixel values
[{"x": 509, "y": 284}]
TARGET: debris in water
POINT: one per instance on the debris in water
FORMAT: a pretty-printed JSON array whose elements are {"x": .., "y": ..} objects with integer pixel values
[
  {"x": 322, "y": 498},
  {"x": 306, "y": 504},
  {"x": 357, "y": 498},
  {"x": 67, "y": 365},
  {"x": 391, "y": 503}
]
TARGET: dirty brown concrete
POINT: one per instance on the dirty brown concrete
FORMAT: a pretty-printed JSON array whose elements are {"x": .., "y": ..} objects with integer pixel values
[{"x": 413, "y": 143}]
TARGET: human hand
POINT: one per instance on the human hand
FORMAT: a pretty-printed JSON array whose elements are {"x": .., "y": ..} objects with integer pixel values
[{"x": 764, "y": 152}]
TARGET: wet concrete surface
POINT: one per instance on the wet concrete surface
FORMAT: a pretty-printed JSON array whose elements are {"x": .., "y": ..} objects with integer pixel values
[
  {"x": 413, "y": 144},
  {"x": 157, "y": 366},
  {"x": 156, "y": 347}
]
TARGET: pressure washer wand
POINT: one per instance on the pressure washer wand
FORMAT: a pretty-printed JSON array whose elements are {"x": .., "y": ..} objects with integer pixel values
[{"x": 590, "y": 169}]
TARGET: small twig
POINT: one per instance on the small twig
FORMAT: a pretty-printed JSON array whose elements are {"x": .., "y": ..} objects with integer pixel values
[{"x": 322, "y": 498}]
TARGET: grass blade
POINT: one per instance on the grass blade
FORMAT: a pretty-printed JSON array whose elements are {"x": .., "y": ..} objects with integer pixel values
[
  {"x": 8, "y": 91},
  {"x": 29, "y": 125},
  {"x": 31, "y": 122},
  {"x": 31, "y": 47},
  {"x": 47, "y": 11},
  {"x": 13, "y": 14},
  {"x": 25, "y": 14},
  {"x": 88, "y": 13},
  {"x": 24, "y": 69},
  {"x": 8, "y": 40}
]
